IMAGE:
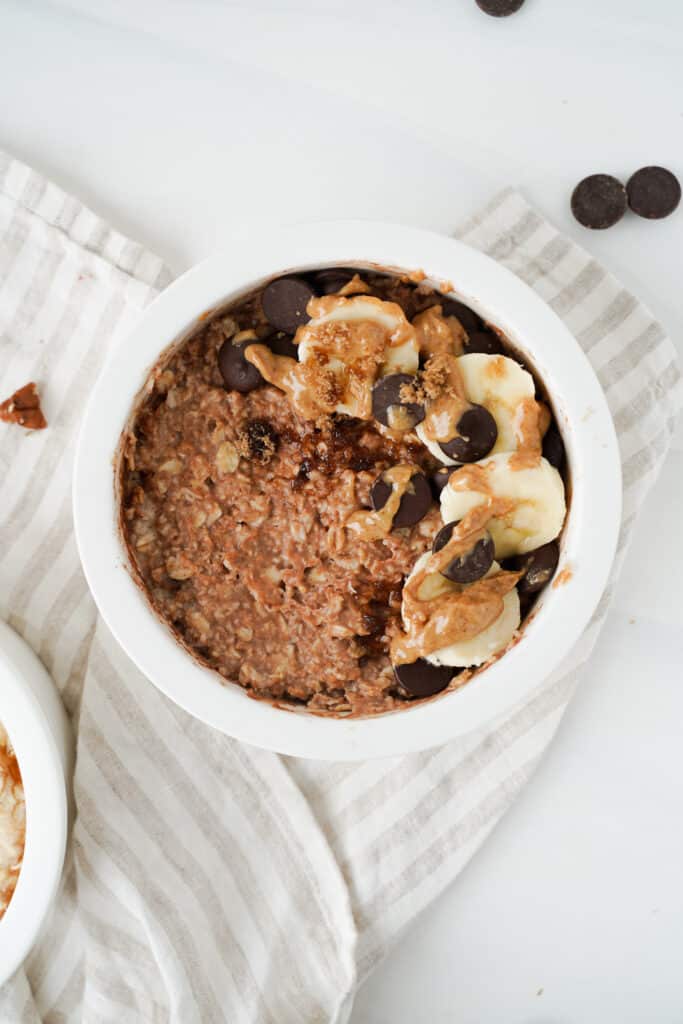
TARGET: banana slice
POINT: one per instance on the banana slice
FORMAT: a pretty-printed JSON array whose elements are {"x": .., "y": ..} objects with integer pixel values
[
  {"x": 487, "y": 643},
  {"x": 501, "y": 385},
  {"x": 401, "y": 355},
  {"x": 535, "y": 492},
  {"x": 373, "y": 339},
  {"x": 434, "y": 447}
]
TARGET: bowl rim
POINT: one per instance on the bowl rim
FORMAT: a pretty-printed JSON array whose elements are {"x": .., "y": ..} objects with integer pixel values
[
  {"x": 26, "y": 712},
  {"x": 583, "y": 416}
]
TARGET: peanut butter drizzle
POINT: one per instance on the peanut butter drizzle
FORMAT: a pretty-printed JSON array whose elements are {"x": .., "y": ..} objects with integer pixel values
[
  {"x": 356, "y": 286},
  {"x": 312, "y": 391},
  {"x": 340, "y": 358},
  {"x": 447, "y": 402},
  {"x": 439, "y": 334},
  {"x": 373, "y": 525},
  {"x": 438, "y": 612},
  {"x": 399, "y": 333},
  {"x": 529, "y": 434}
]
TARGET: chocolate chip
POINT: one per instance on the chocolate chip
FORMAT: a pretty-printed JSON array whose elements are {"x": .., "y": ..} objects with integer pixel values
[
  {"x": 467, "y": 317},
  {"x": 261, "y": 440},
  {"x": 284, "y": 303},
  {"x": 538, "y": 567},
  {"x": 330, "y": 280},
  {"x": 237, "y": 372},
  {"x": 526, "y": 603},
  {"x": 653, "y": 192},
  {"x": 553, "y": 447},
  {"x": 471, "y": 565},
  {"x": 484, "y": 341},
  {"x": 599, "y": 201},
  {"x": 440, "y": 478},
  {"x": 387, "y": 406},
  {"x": 499, "y": 8},
  {"x": 422, "y": 679},
  {"x": 415, "y": 503},
  {"x": 282, "y": 345},
  {"x": 477, "y": 433}
]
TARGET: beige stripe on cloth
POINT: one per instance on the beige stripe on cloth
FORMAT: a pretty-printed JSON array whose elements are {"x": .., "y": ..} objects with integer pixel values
[{"x": 209, "y": 881}]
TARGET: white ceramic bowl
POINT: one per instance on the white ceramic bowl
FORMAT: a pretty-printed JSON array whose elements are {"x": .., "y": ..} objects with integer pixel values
[
  {"x": 589, "y": 539},
  {"x": 36, "y": 723}
]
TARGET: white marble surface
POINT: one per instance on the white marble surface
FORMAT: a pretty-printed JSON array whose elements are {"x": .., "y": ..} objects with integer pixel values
[{"x": 183, "y": 119}]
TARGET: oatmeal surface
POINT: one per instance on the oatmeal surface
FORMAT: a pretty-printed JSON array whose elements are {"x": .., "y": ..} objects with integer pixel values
[{"x": 235, "y": 512}]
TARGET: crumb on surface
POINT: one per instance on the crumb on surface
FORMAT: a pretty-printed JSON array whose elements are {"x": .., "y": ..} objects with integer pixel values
[{"x": 23, "y": 408}]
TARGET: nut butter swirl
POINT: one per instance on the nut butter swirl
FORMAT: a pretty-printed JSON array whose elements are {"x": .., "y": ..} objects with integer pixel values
[
  {"x": 343, "y": 349},
  {"x": 437, "y": 612},
  {"x": 374, "y": 524}
]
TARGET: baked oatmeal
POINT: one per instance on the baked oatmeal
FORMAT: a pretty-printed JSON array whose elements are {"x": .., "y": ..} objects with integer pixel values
[
  {"x": 343, "y": 492},
  {"x": 12, "y": 821}
]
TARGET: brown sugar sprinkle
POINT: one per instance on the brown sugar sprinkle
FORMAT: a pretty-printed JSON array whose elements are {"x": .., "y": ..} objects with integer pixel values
[{"x": 23, "y": 408}]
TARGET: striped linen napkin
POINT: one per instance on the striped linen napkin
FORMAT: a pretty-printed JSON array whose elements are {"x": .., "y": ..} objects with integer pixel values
[{"x": 207, "y": 880}]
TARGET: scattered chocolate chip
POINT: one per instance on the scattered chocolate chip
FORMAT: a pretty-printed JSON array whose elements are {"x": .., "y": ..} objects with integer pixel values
[
  {"x": 440, "y": 478},
  {"x": 477, "y": 433},
  {"x": 484, "y": 341},
  {"x": 23, "y": 408},
  {"x": 538, "y": 567},
  {"x": 415, "y": 503},
  {"x": 261, "y": 439},
  {"x": 499, "y": 8},
  {"x": 471, "y": 565},
  {"x": 653, "y": 192},
  {"x": 553, "y": 447},
  {"x": 387, "y": 406},
  {"x": 284, "y": 303},
  {"x": 330, "y": 280},
  {"x": 282, "y": 345},
  {"x": 467, "y": 317},
  {"x": 599, "y": 201},
  {"x": 237, "y": 372},
  {"x": 422, "y": 679}
]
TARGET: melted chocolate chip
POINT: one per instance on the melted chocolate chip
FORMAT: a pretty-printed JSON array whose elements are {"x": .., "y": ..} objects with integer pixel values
[
  {"x": 284, "y": 303},
  {"x": 553, "y": 447},
  {"x": 261, "y": 439},
  {"x": 599, "y": 201},
  {"x": 415, "y": 503},
  {"x": 330, "y": 280},
  {"x": 484, "y": 341},
  {"x": 470, "y": 566},
  {"x": 477, "y": 433},
  {"x": 467, "y": 317},
  {"x": 387, "y": 406},
  {"x": 653, "y": 192},
  {"x": 538, "y": 566},
  {"x": 238, "y": 374},
  {"x": 422, "y": 679},
  {"x": 440, "y": 478},
  {"x": 282, "y": 345}
]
